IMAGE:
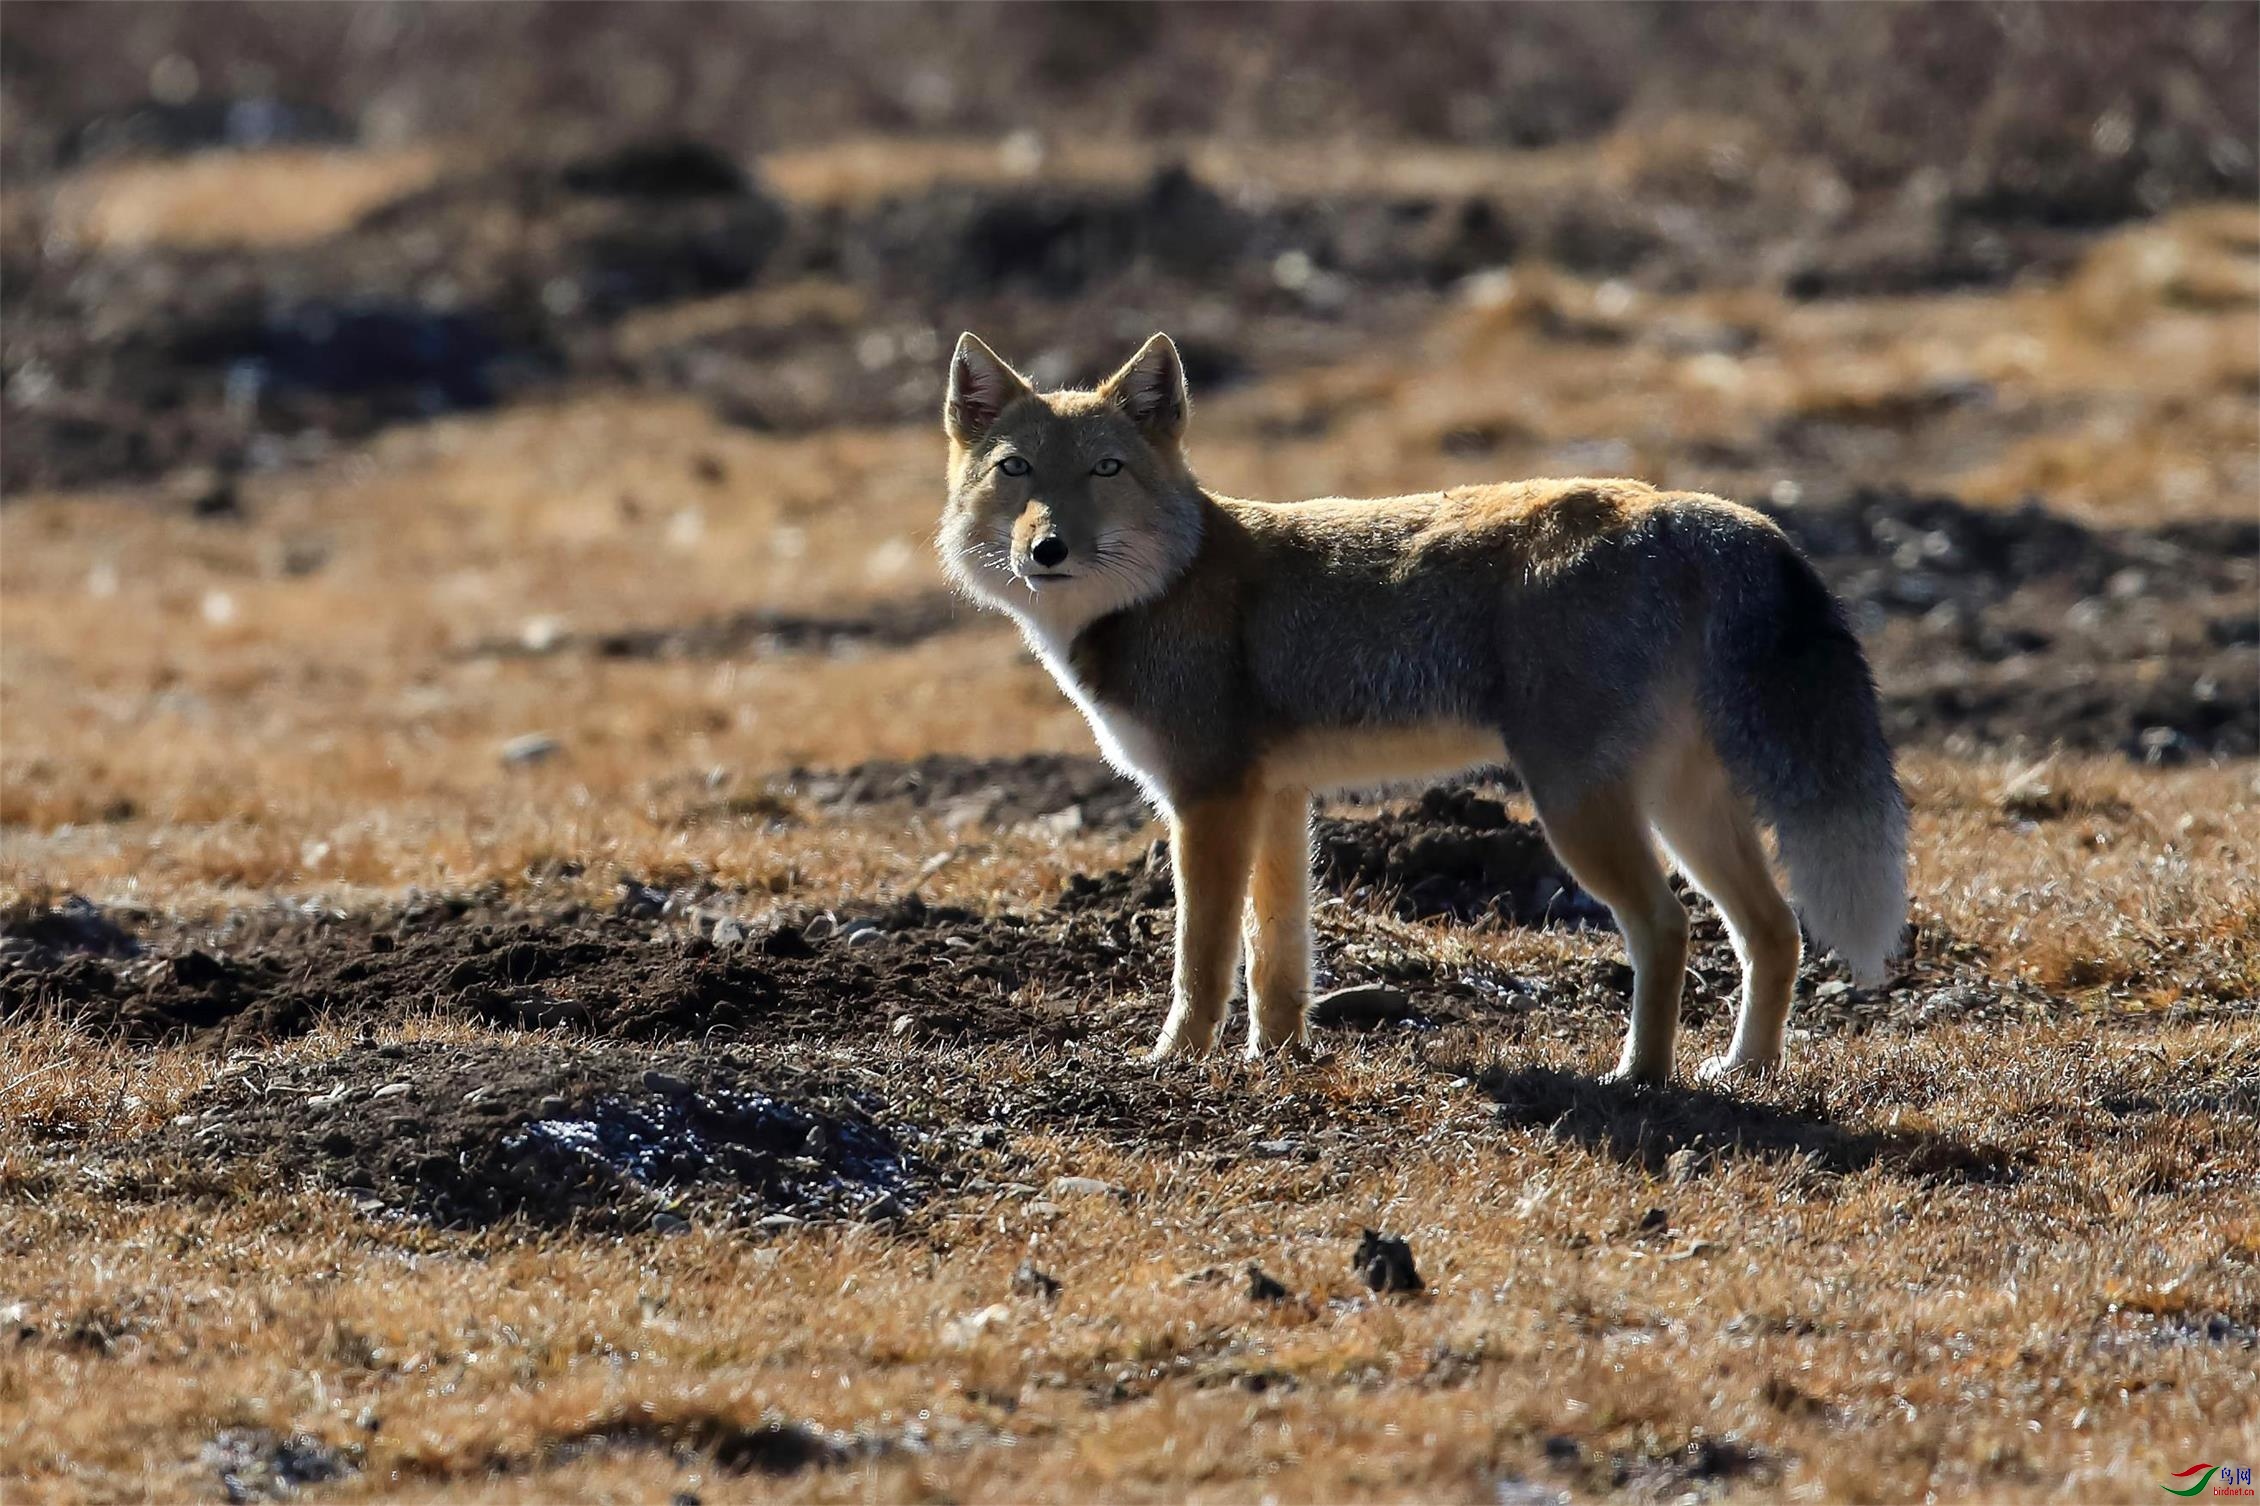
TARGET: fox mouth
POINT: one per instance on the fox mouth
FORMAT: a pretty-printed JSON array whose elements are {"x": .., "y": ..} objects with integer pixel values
[{"x": 1033, "y": 577}]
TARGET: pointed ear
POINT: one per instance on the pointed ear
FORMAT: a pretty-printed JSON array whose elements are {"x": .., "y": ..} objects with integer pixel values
[
  {"x": 1151, "y": 390},
  {"x": 981, "y": 387}
]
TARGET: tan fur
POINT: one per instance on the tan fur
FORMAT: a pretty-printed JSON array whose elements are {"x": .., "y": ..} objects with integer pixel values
[
  {"x": 1339, "y": 758},
  {"x": 1277, "y": 930},
  {"x": 1647, "y": 661}
]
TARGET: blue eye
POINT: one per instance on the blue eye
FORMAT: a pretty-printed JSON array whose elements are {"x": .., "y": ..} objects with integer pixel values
[
  {"x": 1013, "y": 465},
  {"x": 1106, "y": 467}
]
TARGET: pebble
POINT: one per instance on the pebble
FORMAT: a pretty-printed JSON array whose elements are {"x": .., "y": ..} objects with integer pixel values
[
  {"x": 552, "y": 1107},
  {"x": 670, "y": 1223},
  {"x": 1081, "y": 1187},
  {"x": 662, "y": 1082},
  {"x": 882, "y": 1209},
  {"x": 819, "y": 929},
  {"x": 1365, "y": 1004},
  {"x": 531, "y": 748},
  {"x": 1031, "y": 1282},
  {"x": 1385, "y": 1263},
  {"x": 960, "y": 1331},
  {"x": 727, "y": 932},
  {"x": 1276, "y": 1149},
  {"x": 391, "y": 1090}
]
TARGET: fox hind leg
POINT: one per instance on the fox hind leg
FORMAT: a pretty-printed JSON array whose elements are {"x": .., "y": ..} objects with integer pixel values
[
  {"x": 1602, "y": 838},
  {"x": 1278, "y": 925},
  {"x": 1211, "y": 845},
  {"x": 1707, "y": 827}
]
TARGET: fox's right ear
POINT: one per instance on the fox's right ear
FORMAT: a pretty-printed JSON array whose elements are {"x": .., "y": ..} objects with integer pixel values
[{"x": 981, "y": 387}]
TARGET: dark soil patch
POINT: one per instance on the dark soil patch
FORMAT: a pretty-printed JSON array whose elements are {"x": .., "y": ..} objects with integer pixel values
[
  {"x": 1073, "y": 792},
  {"x": 1453, "y": 854},
  {"x": 259, "y": 1464},
  {"x": 595, "y": 1138},
  {"x": 450, "y": 298},
  {"x": 2021, "y": 629},
  {"x": 50, "y": 933},
  {"x": 774, "y": 1445}
]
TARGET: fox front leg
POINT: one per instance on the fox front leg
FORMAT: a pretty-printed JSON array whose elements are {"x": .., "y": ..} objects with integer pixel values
[
  {"x": 1211, "y": 846},
  {"x": 1278, "y": 926}
]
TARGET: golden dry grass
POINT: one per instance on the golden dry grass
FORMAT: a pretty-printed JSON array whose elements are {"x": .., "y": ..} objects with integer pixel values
[{"x": 196, "y": 717}]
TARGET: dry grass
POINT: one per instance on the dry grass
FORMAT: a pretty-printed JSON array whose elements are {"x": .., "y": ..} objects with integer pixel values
[
  {"x": 235, "y": 199},
  {"x": 2003, "y": 1340},
  {"x": 199, "y": 716}
]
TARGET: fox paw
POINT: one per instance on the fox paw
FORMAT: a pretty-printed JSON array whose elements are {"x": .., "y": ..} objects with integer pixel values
[
  {"x": 1626, "y": 1075},
  {"x": 1292, "y": 1048},
  {"x": 1176, "y": 1043},
  {"x": 1720, "y": 1070}
]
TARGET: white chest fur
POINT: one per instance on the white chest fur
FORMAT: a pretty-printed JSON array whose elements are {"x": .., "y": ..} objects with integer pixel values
[{"x": 1125, "y": 743}]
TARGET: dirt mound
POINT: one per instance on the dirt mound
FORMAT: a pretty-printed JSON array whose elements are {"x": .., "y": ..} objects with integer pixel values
[
  {"x": 1453, "y": 854},
  {"x": 50, "y": 934},
  {"x": 635, "y": 974},
  {"x": 596, "y": 1138},
  {"x": 450, "y": 298},
  {"x": 1070, "y": 792},
  {"x": 2022, "y": 629}
]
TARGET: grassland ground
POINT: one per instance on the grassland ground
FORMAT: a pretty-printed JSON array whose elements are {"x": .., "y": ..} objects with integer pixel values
[{"x": 544, "y": 957}]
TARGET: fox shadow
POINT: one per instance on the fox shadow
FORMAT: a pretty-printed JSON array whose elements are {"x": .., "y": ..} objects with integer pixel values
[{"x": 1649, "y": 1126}]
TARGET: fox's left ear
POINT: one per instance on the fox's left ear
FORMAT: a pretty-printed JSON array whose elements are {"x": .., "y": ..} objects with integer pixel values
[
  {"x": 981, "y": 387},
  {"x": 1151, "y": 390}
]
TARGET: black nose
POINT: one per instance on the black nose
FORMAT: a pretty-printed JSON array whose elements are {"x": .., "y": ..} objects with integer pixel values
[{"x": 1048, "y": 550}]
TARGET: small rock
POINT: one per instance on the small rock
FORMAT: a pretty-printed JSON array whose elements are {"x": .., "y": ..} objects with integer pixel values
[
  {"x": 664, "y": 1222},
  {"x": 884, "y": 1208},
  {"x": 777, "y": 1221},
  {"x": 958, "y": 1332},
  {"x": 1366, "y": 1004},
  {"x": 727, "y": 932},
  {"x": 1276, "y": 1150},
  {"x": 530, "y": 748},
  {"x": 662, "y": 1082},
  {"x": 1835, "y": 988},
  {"x": 1683, "y": 1164},
  {"x": 1263, "y": 1287},
  {"x": 552, "y": 1107},
  {"x": 821, "y": 928},
  {"x": 1081, "y": 1187},
  {"x": 640, "y": 901},
  {"x": 1030, "y": 1282},
  {"x": 391, "y": 1090},
  {"x": 902, "y": 1025},
  {"x": 1385, "y": 1263}
]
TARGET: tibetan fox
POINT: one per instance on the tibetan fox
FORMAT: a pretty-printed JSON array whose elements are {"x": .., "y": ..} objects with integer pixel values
[{"x": 1656, "y": 666}]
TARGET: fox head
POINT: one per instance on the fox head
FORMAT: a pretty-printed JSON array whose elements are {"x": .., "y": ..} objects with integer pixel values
[{"x": 1066, "y": 506}]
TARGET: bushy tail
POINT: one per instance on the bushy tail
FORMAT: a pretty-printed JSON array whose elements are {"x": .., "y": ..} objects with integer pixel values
[{"x": 1789, "y": 704}]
